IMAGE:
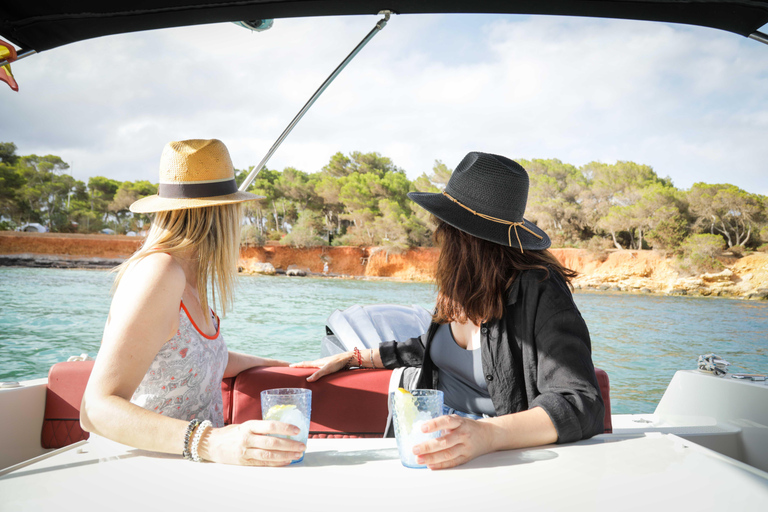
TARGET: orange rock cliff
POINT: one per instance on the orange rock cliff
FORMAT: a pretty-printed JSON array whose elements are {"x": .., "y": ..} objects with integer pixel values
[{"x": 633, "y": 271}]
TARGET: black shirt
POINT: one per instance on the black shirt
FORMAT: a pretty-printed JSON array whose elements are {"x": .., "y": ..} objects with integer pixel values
[{"x": 537, "y": 355}]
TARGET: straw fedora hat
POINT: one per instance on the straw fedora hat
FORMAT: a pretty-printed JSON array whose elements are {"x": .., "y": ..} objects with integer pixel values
[
  {"x": 194, "y": 173},
  {"x": 486, "y": 197}
]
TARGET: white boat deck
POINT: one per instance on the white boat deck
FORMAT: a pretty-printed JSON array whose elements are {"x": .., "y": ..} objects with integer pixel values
[
  {"x": 609, "y": 472},
  {"x": 724, "y": 414}
]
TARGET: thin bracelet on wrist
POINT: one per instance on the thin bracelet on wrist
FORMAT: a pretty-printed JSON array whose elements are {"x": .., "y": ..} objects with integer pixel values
[
  {"x": 196, "y": 440},
  {"x": 373, "y": 365},
  {"x": 188, "y": 437}
]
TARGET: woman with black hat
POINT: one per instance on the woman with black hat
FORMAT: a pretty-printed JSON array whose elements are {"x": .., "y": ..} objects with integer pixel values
[
  {"x": 156, "y": 383},
  {"x": 507, "y": 345}
]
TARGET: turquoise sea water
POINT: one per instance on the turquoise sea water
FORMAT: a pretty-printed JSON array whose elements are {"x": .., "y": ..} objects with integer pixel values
[{"x": 47, "y": 315}]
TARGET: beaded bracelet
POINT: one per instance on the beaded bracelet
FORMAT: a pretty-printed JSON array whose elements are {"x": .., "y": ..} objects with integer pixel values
[
  {"x": 196, "y": 441},
  {"x": 373, "y": 365},
  {"x": 359, "y": 359},
  {"x": 187, "y": 436}
]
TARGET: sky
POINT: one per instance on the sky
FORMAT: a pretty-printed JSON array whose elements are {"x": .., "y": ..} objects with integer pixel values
[{"x": 691, "y": 102}]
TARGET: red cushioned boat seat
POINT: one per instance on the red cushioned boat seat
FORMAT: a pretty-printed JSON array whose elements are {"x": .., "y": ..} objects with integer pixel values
[
  {"x": 227, "y": 385},
  {"x": 345, "y": 404},
  {"x": 605, "y": 390},
  {"x": 66, "y": 385}
]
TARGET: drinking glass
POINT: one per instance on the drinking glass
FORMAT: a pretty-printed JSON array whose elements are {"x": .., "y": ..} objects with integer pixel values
[
  {"x": 409, "y": 412},
  {"x": 288, "y": 405}
]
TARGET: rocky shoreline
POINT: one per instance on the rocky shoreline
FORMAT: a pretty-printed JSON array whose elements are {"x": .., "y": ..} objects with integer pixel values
[
  {"x": 721, "y": 284},
  {"x": 650, "y": 272},
  {"x": 48, "y": 261},
  {"x": 617, "y": 271}
]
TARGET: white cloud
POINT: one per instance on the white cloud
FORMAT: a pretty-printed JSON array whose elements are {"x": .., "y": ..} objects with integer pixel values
[{"x": 690, "y": 102}]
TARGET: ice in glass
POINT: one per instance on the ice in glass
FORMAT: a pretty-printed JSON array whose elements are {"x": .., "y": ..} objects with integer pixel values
[
  {"x": 288, "y": 405},
  {"x": 410, "y": 410}
]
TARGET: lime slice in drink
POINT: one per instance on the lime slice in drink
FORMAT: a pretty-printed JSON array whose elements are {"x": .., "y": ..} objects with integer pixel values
[
  {"x": 405, "y": 407},
  {"x": 275, "y": 413}
]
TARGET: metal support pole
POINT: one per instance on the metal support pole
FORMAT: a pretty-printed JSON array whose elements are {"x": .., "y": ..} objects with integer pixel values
[
  {"x": 252, "y": 175},
  {"x": 19, "y": 55},
  {"x": 759, "y": 36}
]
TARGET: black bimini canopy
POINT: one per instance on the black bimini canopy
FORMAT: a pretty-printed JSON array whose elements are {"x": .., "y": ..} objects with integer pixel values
[{"x": 44, "y": 24}]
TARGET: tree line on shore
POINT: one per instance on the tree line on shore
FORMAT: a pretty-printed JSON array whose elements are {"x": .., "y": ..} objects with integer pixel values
[
  {"x": 36, "y": 189},
  {"x": 361, "y": 199}
]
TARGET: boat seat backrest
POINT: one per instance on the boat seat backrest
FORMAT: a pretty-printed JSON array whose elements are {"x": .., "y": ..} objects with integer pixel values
[
  {"x": 605, "y": 391},
  {"x": 61, "y": 422},
  {"x": 345, "y": 404}
]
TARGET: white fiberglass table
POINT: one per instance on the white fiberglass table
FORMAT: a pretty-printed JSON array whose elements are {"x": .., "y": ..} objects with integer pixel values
[{"x": 608, "y": 472}]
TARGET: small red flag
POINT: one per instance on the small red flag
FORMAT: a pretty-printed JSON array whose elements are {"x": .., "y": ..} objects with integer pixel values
[{"x": 8, "y": 52}]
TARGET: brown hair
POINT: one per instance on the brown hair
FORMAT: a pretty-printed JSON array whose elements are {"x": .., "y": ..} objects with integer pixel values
[{"x": 473, "y": 275}]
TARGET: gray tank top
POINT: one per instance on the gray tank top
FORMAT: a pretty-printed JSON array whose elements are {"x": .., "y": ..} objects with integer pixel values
[{"x": 460, "y": 374}]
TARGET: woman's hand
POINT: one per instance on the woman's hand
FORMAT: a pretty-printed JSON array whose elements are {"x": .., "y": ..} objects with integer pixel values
[
  {"x": 252, "y": 444},
  {"x": 463, "y": 439},
  {"x": 327, "y": 365}
]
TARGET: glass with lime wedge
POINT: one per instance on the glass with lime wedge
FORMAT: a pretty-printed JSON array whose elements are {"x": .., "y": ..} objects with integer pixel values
[
  {"x": 288, "y": 405},
  {"x": 410, "y": 410}
]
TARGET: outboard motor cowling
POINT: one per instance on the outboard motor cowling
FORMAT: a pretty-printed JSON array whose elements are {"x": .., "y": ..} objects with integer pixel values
[{"x": 367, "y": 326}]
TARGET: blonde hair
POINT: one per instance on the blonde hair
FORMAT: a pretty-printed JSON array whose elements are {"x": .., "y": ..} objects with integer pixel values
[{"x": 214, "y": 231}]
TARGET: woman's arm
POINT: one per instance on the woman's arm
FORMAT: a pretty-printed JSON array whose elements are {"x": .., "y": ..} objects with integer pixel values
[
  {"x": 566, "y": 381},
  {"x": 390, "y": 354},
  {"x": 464, "y": 439},
  {"x": 369, "y": 358},
  {"x": 143, "y": 316},
  {"x": 238, "y": 362}
]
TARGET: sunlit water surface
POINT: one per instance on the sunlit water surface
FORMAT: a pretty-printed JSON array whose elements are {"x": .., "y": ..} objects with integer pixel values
[{"x": 47, "y": 315}]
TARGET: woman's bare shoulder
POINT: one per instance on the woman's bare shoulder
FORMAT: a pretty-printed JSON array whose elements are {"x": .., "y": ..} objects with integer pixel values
[{"x": 151, "y": 274}]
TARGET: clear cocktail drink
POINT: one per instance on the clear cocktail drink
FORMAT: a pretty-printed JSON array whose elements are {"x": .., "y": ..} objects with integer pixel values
[
  {"x": 410, "y": 410},
  {"x": 288, "y": 405}
]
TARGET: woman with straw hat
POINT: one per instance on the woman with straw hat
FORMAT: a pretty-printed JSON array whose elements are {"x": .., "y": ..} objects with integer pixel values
[
  {"x": 507, "y": 345},
  {"x": 156, "y": 383}
]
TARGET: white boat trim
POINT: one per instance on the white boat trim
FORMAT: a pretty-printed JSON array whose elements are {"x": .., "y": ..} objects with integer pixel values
[
  {"x": 23, "y": 409},
  {"x": 722, "y": 413},
  {"x": 48, "y": 454}
]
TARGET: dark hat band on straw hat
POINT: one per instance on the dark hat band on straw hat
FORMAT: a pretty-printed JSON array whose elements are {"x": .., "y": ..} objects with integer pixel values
[
  {"x": 510, "y": 223},
  {"x": 196, "y": 190}
]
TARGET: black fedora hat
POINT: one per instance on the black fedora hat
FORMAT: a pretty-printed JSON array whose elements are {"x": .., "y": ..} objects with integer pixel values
[{"x": 486, "y": 197}]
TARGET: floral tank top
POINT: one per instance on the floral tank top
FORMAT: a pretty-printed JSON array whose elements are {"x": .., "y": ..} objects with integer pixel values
[{"x": 184, "y": 380}]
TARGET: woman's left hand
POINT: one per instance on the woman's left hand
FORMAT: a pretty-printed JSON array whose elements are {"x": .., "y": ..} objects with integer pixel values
[
  {"x": 327, "y": 365},
  {"x": 463, "y": 439}
]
